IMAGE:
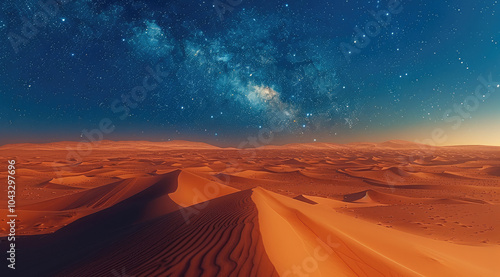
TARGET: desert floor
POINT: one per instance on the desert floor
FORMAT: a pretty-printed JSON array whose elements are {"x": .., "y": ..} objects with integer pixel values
[{"x": 191, "y": 209}]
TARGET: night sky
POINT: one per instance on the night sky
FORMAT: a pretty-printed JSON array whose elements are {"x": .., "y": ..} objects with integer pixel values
[{"x": 323, "y": 71}]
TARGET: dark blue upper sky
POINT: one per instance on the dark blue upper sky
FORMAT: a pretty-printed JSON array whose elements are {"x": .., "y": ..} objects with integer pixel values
[{"x": 162, "y": 70}]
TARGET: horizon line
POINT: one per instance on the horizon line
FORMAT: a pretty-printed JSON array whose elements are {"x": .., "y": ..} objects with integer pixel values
[{"x": 260, "y": 146}]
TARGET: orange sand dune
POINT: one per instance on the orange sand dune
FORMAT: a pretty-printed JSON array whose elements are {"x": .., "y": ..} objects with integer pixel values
[
  {"x": 167, "y": 196},
  {"x": 113, "y": 145},
  {"x": 223, "y": 232},
  {"x": 261, "y": 224},
  {"x": 492, "y": 170},
  {"x": 331, "y": 244}
]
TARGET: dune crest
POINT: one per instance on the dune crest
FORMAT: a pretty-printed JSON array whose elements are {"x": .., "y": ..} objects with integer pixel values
[{"x": 351, "y": 248}]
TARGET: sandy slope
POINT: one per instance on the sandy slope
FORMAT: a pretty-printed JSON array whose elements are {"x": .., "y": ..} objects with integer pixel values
[
  {"x": 149, "y": 237},
  {"x": 331, "y": 244}
]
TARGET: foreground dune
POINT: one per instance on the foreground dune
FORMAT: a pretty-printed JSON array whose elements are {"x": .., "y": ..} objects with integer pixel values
[
  {"x": 300, "y": 210},
  {"x": 331, "y": 244}
]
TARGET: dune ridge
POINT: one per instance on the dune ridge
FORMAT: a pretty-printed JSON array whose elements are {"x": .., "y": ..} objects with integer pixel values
[{"x": 353, "y": 251}]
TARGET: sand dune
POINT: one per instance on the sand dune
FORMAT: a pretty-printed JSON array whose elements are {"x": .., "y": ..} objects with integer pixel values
[
  {"x": 113, "y": 145},
  {"x": 349, "y": 247},
  {"x": 249, "y": 232},
  {"x": 372, "y": 196},
  {"x": 305, "y": 199},
  {"x": 163, "y": 194},
  {"x": 492, "y": 170},
  {"x": 225, "y": 232}
]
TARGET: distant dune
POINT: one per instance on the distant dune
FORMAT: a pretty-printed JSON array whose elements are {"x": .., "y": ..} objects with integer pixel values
[
  {"x": 112, "y": 145},
  {"x": 182, "y": 144}
]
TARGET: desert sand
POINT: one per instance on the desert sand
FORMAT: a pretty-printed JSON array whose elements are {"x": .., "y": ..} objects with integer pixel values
[{"x": 191, "y": 209}]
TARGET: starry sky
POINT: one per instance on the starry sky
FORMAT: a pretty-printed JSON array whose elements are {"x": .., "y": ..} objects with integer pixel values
[{"x": 224, "y": 71}]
